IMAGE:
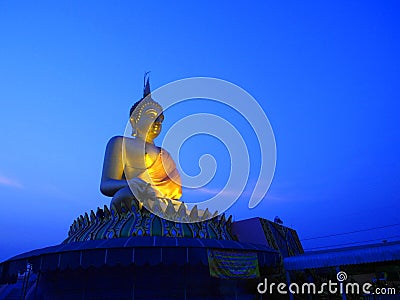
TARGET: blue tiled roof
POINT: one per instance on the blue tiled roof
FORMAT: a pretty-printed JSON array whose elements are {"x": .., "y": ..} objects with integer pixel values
[
  {"x": 344, "y": 256},
  {"x": 146, "y": 241}
]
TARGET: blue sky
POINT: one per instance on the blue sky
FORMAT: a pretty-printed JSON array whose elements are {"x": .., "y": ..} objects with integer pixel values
[{"x": 326, "y": 74}]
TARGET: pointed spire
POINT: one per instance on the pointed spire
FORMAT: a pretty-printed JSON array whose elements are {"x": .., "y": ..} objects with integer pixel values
[
  {"x": 100, "y": 214},
  {"x": 107, "y": 213},
  {"x": 81, "y": 222},
  {"x": 157, "y": 210},
  {"x": 92, "y": 216},
  {"x": 182, "y": 211},
  {"x": 146, "y": 85},
  {"x": 170, "y": 210},
  {"x": 86, "y": 218},
  {"x": 229, "y": 221},
  {"x": 206, "y": 215},
  {"x": 222, "y": 220},
  {"x": 194, "y": 214}
]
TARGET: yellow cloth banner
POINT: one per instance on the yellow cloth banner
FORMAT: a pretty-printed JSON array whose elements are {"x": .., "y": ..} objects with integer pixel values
[{"x": 233, "y": 264}]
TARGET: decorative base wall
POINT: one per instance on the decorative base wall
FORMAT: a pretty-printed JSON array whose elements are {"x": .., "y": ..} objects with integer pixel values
[{"x": 146, "y": 282}]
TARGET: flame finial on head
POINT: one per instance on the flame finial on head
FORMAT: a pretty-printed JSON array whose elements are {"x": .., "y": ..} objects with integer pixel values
[
  {"x": 137, "y": 109},
  {"x": 146, "y": 85}
]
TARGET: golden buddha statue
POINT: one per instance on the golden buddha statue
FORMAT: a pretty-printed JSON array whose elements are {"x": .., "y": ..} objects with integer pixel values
[{"x": 134, "y": 167}]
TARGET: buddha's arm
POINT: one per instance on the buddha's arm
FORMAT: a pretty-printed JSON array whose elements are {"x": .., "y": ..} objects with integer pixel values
[
  {"x": 113, "y": 168},
  {"x": 113, "y": 178}
]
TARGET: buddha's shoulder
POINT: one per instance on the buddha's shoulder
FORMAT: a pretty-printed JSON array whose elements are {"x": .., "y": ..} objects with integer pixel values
[
  {"x": 115, "y": 141},
  {"x": 123, "y": 141}
]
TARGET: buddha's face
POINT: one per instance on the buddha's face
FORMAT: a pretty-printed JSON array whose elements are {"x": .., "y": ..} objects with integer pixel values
[{"x": 148, "y": 123}]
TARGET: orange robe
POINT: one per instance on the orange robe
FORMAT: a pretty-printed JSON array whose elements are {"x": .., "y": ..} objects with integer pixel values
[{"x": 164, "y": 177}]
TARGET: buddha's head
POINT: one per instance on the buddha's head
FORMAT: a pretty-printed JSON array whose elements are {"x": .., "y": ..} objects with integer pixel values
[{"x": 146, "y": 117}]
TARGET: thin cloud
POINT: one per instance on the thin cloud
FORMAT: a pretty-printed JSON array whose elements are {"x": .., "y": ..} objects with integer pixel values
[{"x": 10, "y": 182}]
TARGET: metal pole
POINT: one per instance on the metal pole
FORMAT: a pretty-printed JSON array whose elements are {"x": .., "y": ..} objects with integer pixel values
[
  {"x": 343, "y": 291},
  {"x": 37, "y": 283},
  {"x": 288, "y": 283}
]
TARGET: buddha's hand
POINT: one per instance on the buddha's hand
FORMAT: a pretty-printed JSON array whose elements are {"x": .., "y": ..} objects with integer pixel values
[{"x": 141, "y": 189}]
